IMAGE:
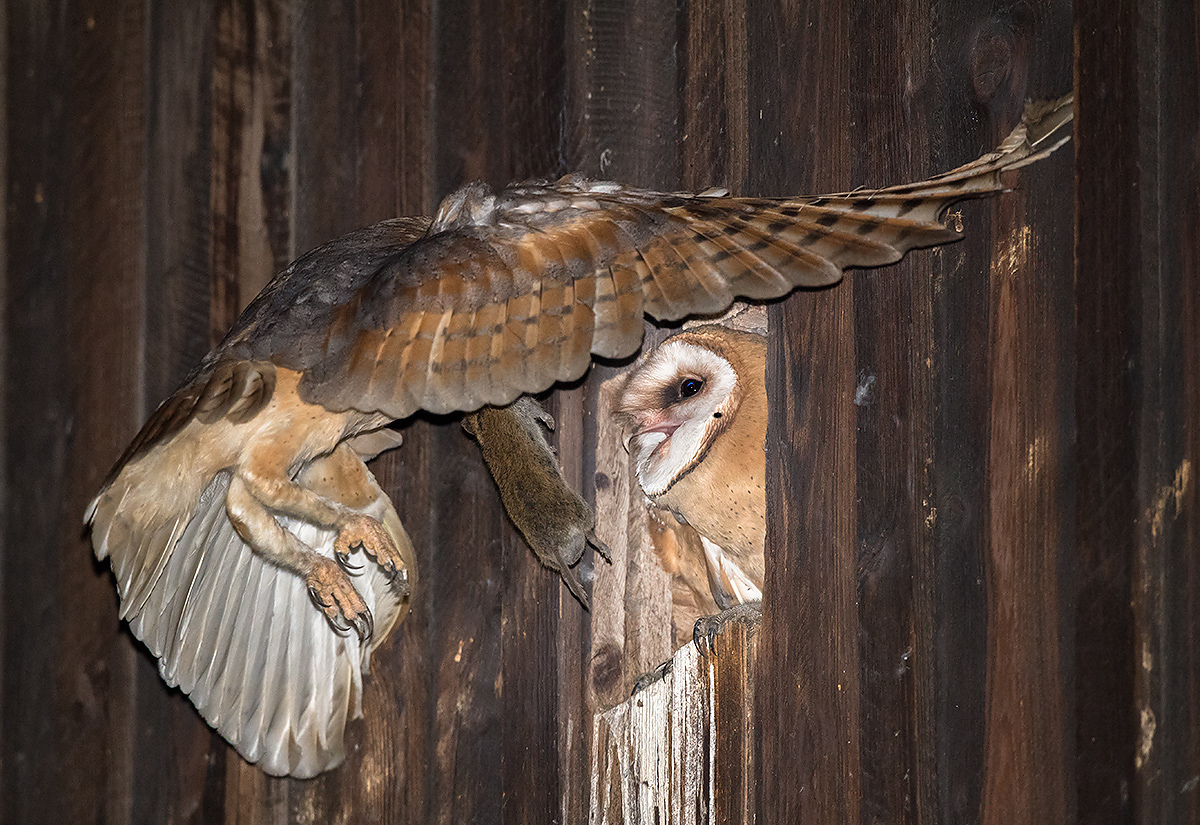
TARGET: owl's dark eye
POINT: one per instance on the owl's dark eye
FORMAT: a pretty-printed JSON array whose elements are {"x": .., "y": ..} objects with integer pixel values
[{"x": 689, "y": 387}]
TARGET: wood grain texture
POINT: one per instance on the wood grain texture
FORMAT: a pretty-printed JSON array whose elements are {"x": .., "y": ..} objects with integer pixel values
[
  {"x": 985, "y": 532},
  {"x": 1107, "y": 474},
  {"x": 893, "y": 406},
  {"x": 178, "y": 123},
  {"x": 681, "y": 750},
  {"x": 75, "y": 328},
  {"x": 1170, "y": 437},
  {"x": 1031, "y": 524},
  {"x": 4, "y": 361},
  {"x": 808, "y": 698},
  {"x": 1136, "y": 669}
]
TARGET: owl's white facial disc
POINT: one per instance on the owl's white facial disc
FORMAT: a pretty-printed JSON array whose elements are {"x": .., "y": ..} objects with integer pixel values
[{"x": 679, "y": 399}]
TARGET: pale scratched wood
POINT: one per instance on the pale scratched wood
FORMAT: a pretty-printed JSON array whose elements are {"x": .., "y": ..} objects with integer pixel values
[
  {"x": 650, "y": 751},
  {"x": 680, "y": 751}
]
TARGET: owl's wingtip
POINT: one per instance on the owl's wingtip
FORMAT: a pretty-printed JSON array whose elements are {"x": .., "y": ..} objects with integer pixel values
[{"x": 1043, "y": 118}]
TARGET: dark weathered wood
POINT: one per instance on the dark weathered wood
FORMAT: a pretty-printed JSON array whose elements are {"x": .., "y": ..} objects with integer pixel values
[
  {"x": 1109, "y": 252},
  {"x": 892, "y": 397},
  {"x": 1167, "y": 596},
  {"x": 985, "y": 532},
  {"x": 808, "y": 683},
  {"x": 625, "y": 85},
  {"x": 394, "y": 173},
  {"x": 74, "y": 337},
  {"x": 1028, "y": 767},
  {"x": 178, "y": 123},
  {"x": 713, "y": 143},
  {"x": 1137, "y": 405},
  {"x": 4, "y": 367},
  {"x": 37, "y": 139}
]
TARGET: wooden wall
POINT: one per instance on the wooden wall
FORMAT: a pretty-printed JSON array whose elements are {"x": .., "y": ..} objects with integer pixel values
[{"x": 984, "y": 540}]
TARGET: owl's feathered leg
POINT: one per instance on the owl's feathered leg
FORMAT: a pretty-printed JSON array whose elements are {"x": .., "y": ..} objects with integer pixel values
[
  {"x": 327, "y": 582},
  {"x": 259, "y": 489}
]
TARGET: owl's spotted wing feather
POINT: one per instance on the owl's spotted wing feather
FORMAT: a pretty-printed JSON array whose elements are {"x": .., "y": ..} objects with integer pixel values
[{"x": 511, "y": 292}]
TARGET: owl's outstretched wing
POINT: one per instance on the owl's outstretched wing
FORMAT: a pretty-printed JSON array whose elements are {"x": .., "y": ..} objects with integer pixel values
[
  {"x": 511, "y": 292},
  {"x": 503, "y": 294}
]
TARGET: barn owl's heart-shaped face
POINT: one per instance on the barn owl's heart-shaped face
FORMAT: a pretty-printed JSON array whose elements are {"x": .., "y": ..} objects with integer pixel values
[{"x": 676, "y": 403}]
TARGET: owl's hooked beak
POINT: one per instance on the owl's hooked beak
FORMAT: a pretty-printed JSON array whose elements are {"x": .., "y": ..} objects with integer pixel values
[{"x": 665, "y": 425}]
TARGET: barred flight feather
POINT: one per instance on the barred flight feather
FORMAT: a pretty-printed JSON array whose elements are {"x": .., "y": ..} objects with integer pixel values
[{"x": 499, "y": 295}]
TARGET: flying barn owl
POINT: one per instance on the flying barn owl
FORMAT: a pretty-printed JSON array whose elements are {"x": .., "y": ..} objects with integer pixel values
[
  {"x": 247, "y": 537},
  {"x": 696, "y": 411}
]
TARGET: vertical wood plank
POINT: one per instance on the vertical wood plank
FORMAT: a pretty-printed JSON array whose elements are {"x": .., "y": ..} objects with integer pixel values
[
  {"x": 1027, "y": 769},
  {"x": 4, "y": 367},
  {"x": 1108, "y": 250},
  {"x": 1029, "y": 774},
  {"x": 75, "y": 335},
  {"x": 1164, "y": 584},
  {"x": 954, "y": 564},
  {"x": 808, "y": 683},
  {"x": 1031, "y": 483},
  {"x": 324, "y": 126},
  {"x": 1166, "y": 600},
  {"x": 394, "y": 42},
  {"x": 714, "y": 106},
  {"x": 627, "y": 87},
  {"x": 177, "y": 119},
  {"x": 893, "y": 407},
  {"x": 33, "y": 452}
]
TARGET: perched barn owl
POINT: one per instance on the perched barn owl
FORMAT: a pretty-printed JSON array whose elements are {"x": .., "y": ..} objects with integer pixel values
[
  {"x": 696, "y": 411},
  {"x": 244, "y": 500}
]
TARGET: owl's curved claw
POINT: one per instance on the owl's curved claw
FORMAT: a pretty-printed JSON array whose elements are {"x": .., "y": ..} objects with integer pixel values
[
  {"x": 363, "y": 533},
  {"x": 335, "y": 620},
  {"x": 343, "y": 560},
  {"x": 652, "y": 676},
  {"x": 330, "y": 589},
  {"x": 704, "y": 633},
  {"x": 539, "y": 413},
  {"x": 392, "y": 573},
  {"x": 364, "y": 625},
  {"x": 316, "y": 598}
]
